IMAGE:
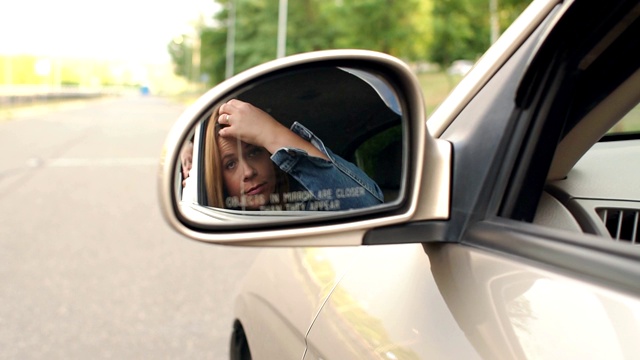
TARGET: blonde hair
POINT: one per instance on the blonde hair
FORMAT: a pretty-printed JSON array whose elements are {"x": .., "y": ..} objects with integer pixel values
[
  {"x": 212, "y": 174},
  {"x": 214, "y": 184}
]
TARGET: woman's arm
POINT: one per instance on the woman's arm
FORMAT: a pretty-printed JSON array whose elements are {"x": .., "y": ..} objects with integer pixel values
[
  {"x": 254, "y": 126},
  {"x": 334, "y": 182}
]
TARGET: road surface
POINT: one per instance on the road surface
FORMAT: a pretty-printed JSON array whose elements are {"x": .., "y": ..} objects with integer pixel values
[{"x": 88, "y": 268}]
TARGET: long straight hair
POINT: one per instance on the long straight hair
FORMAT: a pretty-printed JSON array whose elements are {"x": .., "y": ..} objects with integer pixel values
[{"x": 212, "y": 174}]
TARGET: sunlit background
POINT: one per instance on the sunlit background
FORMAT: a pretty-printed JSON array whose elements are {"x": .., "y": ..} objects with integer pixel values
[
  {"x": 185, "y": 47},
  {"x": 91, "y": 44}
]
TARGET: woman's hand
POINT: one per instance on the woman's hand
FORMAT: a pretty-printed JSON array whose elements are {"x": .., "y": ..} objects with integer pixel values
[
  {"x": 253, "y": 126},
  {"x": 248, "y": 123}
]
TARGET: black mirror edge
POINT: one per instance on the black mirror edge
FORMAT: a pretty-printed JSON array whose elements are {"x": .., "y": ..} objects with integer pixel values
[{"x": 426, "y": 192}]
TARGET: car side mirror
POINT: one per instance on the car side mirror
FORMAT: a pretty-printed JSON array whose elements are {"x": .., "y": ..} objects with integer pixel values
[{"x": 307, "y": 146}]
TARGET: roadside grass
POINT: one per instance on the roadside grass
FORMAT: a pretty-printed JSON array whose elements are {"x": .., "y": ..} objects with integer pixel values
[{"x": 435, "y": 88}]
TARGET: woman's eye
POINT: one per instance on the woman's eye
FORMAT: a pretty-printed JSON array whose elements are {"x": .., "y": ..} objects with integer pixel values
[{"x": 230, "y": 165}]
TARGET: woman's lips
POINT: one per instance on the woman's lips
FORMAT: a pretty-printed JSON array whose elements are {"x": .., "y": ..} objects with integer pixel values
[{"x": 255, "y": 190}]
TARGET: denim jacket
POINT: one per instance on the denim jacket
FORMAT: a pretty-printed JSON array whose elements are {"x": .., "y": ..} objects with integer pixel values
[{"x": 324, "y": 185}]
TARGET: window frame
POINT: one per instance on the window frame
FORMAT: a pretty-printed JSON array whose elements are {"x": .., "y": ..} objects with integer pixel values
[{"x": 540, "y": 121}]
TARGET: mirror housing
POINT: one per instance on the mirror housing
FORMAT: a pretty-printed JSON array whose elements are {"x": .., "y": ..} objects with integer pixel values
[{"x": 424, "y": 182}]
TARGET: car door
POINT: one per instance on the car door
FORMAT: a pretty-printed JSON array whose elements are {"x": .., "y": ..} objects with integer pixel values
[{"x": 504, "y": 284}]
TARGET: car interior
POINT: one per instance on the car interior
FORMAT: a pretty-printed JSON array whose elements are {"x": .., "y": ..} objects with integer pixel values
[{"x": 592, "y": 183}]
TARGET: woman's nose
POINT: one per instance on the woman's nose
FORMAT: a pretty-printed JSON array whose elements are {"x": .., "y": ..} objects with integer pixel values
[{"x": 248, "y": 171}]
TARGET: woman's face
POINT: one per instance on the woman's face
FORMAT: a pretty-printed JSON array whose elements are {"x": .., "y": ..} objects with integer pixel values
[{"x": 248, "y": 173}]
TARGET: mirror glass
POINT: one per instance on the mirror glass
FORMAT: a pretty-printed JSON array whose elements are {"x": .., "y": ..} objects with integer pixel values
[{"x": 300, "y": 142}]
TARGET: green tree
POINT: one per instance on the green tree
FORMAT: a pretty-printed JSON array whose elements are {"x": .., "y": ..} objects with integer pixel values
[
  {"x": 181, "y": 54},
  {"x": 394, "y": 27},
  {"x": 213, "y": 53},
  {"x": 399, "y": 28},
  {"x": 461, "y": 28}
]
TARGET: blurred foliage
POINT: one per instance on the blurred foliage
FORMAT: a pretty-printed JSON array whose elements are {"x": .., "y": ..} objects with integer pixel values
[
  {"x": 391, "y": 27},
  {"x": 417, "y": 31},
  {"x": 461, "y": 28}
]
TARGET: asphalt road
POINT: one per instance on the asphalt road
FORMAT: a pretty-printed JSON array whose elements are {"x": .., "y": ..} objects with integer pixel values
[{"x": 88, "y": 268}]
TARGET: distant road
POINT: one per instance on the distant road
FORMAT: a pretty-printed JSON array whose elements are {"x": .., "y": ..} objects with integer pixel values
[
  {"x": 88, "y": 268},
  {"x": 33, "y": 94}
]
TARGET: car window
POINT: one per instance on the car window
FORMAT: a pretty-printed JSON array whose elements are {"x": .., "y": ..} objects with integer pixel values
[
  {"x": 628, "y": 125},
  {"x": 599, "y": 194},
  {"x": 591, "y": 185},
  {"x": 378, "y": 157}
]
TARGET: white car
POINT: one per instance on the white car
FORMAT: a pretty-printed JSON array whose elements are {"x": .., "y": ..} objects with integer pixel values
[
  {"x": 510, "y": 217},
  {"x": 460, "y": 67}
]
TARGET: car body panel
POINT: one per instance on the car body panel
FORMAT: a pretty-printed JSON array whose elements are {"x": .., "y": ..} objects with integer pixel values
[
  {"x": 284, "y": 290},
  {"x": 388, "y": 307},
  {"x": 439, "y": 301}
]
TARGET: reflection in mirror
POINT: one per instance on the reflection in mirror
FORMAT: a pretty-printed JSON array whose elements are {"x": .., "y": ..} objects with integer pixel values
[
  {"x": 184, "y": 166},
  {"x": 321, "y": 139}
]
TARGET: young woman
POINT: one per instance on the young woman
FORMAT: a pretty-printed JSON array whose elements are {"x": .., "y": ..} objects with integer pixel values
[{"x": 254, "y": 162}]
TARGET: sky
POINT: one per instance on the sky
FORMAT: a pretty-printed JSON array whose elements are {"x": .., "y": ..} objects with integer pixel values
[{"x": 132, "y": 30}]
